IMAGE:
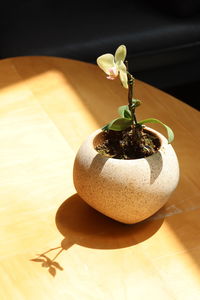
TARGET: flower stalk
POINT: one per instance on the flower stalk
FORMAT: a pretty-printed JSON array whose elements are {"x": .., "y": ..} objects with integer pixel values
[{"x": 131, "y": 81}]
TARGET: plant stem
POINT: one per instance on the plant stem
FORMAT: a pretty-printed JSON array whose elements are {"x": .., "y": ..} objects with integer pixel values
[
  {"x": 137, "y": 128},
  {"x": 130, "y": 95}
]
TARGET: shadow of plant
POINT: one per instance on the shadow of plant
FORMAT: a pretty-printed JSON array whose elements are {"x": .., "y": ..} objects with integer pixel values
[
  {"x": 48, "y": 263},
  {"x": 155, "y": 164}
]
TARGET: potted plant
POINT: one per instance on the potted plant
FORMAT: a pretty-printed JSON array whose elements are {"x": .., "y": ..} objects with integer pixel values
[{"x": 126, "y": 170}]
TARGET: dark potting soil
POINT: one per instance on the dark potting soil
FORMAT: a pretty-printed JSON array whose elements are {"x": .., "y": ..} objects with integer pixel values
[{"x": 128, "y": 145}]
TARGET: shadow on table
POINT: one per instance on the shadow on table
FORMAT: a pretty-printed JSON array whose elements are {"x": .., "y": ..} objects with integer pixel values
[{"x": 81, "y": 224}]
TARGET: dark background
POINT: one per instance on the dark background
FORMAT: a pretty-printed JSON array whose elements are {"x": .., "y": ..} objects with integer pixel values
[{"x": 162, "y": 37}]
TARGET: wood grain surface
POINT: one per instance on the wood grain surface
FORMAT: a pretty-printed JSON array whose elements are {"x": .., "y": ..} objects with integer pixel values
[{"x": 53, "y": 245}]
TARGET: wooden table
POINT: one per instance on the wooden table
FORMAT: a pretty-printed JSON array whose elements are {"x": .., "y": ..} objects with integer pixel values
[{"x": 47, "y": 108}]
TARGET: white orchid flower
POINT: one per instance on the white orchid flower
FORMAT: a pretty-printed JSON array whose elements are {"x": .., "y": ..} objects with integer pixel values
[{"x": 114, "y": 65}]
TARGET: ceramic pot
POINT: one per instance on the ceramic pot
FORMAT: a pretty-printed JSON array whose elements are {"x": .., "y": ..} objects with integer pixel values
[{"x": 128, "y": 191}]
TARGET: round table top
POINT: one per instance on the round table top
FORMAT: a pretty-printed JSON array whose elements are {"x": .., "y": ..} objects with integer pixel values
[{"x": 48, "y": 106}]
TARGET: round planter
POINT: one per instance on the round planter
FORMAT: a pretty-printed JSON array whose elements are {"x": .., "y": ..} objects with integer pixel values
[{"x": 128, "y": 191}]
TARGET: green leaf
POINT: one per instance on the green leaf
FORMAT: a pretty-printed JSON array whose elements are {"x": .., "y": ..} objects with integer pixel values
[
  {"x": 124, "y": 112},
  {"x": 105, "y": 128},
  {"x": 118, "y": 124},
  {"x": 169, "y": 130}
]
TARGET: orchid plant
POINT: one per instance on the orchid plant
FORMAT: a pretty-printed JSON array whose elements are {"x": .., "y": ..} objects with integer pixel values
[{"x": 117, "y": 65}]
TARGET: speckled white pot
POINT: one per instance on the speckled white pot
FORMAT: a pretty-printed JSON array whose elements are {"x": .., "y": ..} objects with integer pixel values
[{"x": 128, "y": 191}]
